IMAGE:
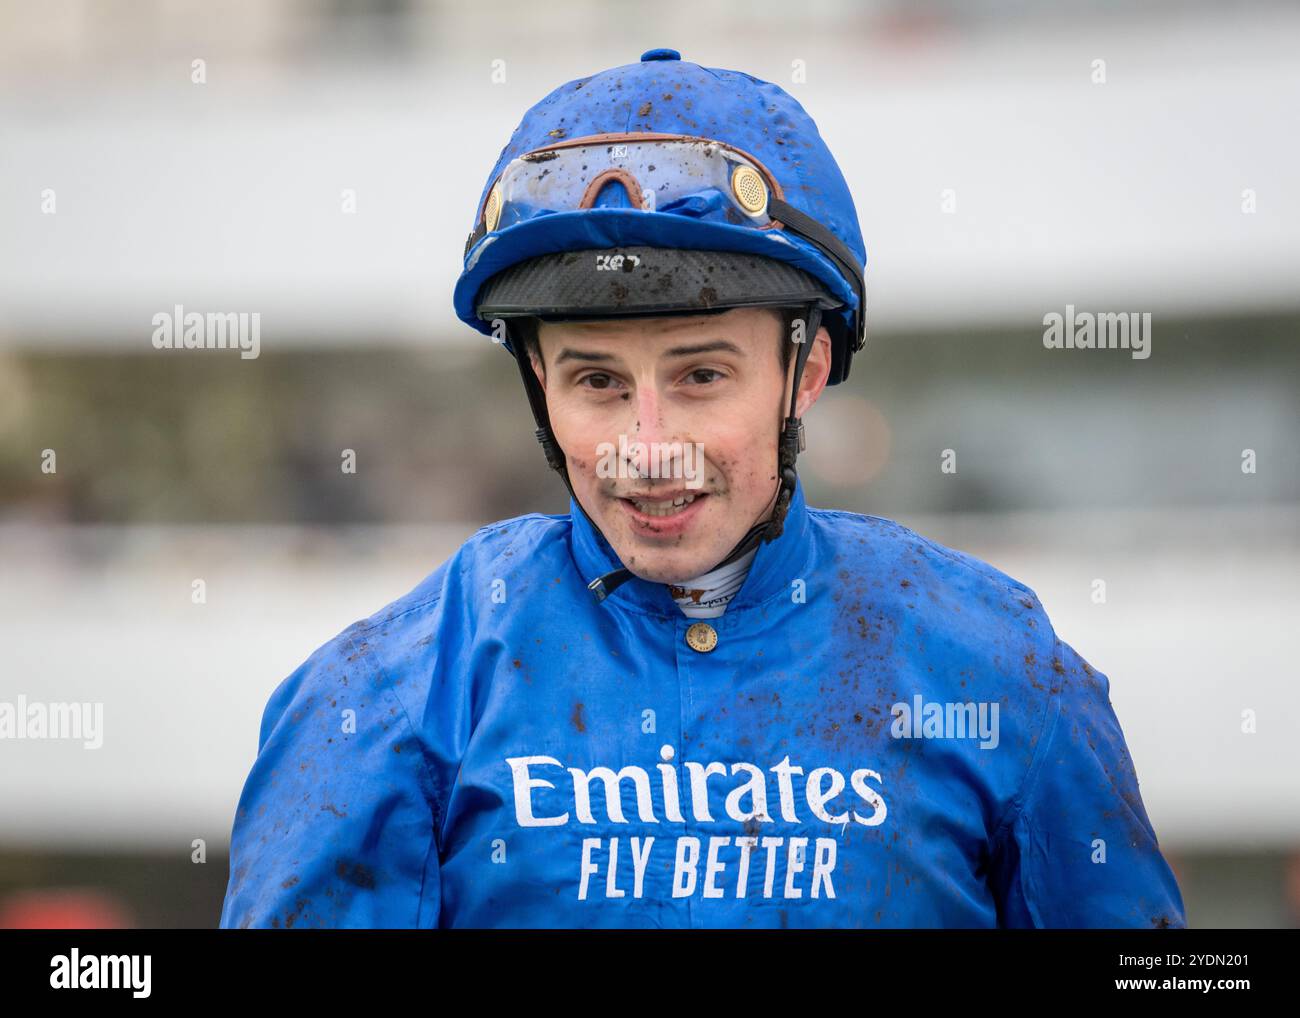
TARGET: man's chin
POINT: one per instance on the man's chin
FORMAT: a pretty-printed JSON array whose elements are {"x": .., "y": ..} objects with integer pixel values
[
  {"x": 675, "y": 565},
  {"x": 665, "y": 557}
]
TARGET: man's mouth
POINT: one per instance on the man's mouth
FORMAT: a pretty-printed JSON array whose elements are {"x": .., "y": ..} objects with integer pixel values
[{"x": 668, "y": 504}]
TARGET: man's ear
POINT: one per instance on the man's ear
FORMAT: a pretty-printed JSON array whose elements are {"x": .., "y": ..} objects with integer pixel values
[{"x": 815, "y": 372}]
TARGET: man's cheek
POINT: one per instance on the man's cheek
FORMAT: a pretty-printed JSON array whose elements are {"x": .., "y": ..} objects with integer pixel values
[{"x": 580, "y": 448}]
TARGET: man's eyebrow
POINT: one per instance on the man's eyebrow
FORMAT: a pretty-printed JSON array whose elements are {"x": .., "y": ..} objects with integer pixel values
[
  {"x": 723, "y": 345},
  {"x": 714, "y": 346},
  {"x": 569, "y": 354}
]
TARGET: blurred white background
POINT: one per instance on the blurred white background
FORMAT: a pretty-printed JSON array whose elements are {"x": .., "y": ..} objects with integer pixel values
[{"x": 1121, "y": 196}]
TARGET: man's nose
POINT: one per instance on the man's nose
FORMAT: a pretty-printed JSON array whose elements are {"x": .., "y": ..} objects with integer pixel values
[{"x": 652, "y": 426}]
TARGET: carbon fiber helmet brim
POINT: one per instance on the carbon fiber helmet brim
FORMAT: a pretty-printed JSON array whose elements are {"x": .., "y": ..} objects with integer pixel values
[{"x": 640, "y": 281}]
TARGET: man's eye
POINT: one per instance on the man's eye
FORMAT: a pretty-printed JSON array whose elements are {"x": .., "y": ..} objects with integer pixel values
[
  {"x": 597, "y": 381},
  {"x": 698, "y": 372}
]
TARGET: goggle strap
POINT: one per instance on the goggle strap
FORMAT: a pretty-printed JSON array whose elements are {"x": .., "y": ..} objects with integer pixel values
[{"x": 809, "y": 228}]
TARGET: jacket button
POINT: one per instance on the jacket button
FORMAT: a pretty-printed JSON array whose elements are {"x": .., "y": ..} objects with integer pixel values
[{"x": 701, "y": 636}]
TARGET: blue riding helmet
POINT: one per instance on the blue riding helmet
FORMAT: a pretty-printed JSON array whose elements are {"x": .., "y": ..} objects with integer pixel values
[{"x": 669, "y": 155}]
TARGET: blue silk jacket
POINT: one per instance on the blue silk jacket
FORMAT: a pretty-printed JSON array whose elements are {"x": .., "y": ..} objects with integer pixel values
[{"x": 879, "y": 732}]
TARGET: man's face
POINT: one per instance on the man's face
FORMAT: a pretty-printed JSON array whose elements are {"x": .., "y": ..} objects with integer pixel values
[{"x": 669, "y": 427}]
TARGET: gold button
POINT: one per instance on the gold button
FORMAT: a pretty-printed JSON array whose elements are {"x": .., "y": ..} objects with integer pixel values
[
  {"x": 492, "y": 210},
  {"x": 702, "y": 637},
  {"x": 748, "y": 187}
]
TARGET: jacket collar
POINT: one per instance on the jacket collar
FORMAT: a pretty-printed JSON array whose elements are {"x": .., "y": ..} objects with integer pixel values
[{"x": 775, "y": 565}]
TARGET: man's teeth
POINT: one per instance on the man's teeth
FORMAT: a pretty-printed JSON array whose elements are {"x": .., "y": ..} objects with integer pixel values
[{"x": 666, "y": 508}]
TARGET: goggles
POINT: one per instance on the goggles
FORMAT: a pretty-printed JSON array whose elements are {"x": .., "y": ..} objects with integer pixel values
[
  {"x": 704, "y": 178},
  {"x": 657, "y": 172}
]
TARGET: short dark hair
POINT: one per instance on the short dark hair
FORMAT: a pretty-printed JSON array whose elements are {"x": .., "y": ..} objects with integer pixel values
[{"x": 527, "y": 328}]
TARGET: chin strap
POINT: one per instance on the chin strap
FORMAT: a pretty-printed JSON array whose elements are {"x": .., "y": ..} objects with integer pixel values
[{"x": 791, "y": 444}]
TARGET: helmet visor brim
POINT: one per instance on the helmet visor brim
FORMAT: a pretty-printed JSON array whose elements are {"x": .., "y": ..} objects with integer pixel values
[{"x": 646, "y": 281}]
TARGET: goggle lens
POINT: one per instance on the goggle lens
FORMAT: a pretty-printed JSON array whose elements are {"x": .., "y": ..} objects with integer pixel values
[{"x": 706, "y": 178}]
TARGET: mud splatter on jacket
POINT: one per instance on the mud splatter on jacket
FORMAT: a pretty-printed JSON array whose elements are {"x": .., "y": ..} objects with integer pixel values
[{"x": 886, "y": 733}]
